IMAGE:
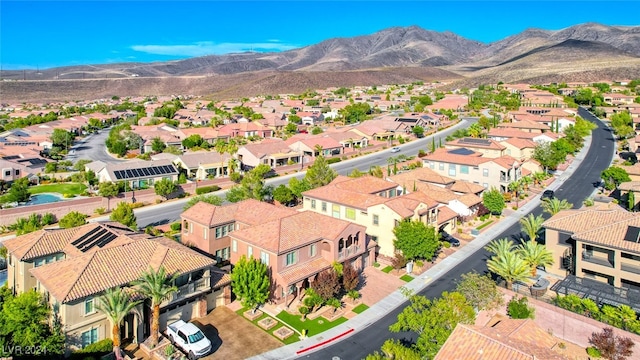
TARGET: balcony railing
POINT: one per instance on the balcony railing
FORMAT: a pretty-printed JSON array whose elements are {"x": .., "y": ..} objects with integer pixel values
[
  {"x": 597, "y": 260},
  {"x": 353, "y": 249},
  {"x": 191, "y": 288}
]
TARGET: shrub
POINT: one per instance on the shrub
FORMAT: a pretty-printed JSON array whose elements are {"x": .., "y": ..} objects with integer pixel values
[
  {"x": 446, "y": 244},
  {"x": 207, "y": 189},
  {"x": 520, "y": 309},
  {"x": 68, "y": 196},
  {"x": 333, "y": 160},
  {"x": 236, "y": 177},
  {"x": 100, "y": 210},
  {"x": 136, "y": 205},
  {"x": 102, "y": 346},
  {"x": 593, "y": 352},
  {"x": 176, "y": 226}
]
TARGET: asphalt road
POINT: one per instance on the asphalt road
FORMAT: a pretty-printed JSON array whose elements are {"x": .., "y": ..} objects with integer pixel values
[
  {"x": 575, "y": 189},
  {"x": 170, "y": 212},
  {"x": 93, "y": 148}
]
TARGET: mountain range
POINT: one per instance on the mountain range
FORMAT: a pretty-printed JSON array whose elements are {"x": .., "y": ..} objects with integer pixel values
[{"x": 585, "y": 52}]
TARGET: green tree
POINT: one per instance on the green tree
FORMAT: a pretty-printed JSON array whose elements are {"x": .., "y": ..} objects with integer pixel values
[
  {"x": 291, "y": 128},
  {"x": 250, "y": 282},
  {"x": 509, "y": 266},
  {"x": 316, "y": 130},
  {"x": 209, "y": 199},
  {"x": 548, "y": 156},
  {"x": 433, "y": 321},
  {"x": 554, "y": 205},
  {"x": 520, "y": 309},
  {"x": 124, "y": 214},
  {"x": 355, "y": 112},
  {"x": 500, "y": 246},
  {"x": 25, "y": 322},
  {"x": 415, "y": 239},
  {"x": 534, "y": 255},
  {"x": 298, "y": 186},
  {"x": 19, "y": 191},
  {"x": 62, "y": 138},
  {"x": 158, "y": 286},
  {"x": 51, "y": 167},
  {"x": 418, "y": 131},
  {"x": 356, "y": 173},
  {"x": 480, "y": 291},
  {"x": 252, "y": 185},
  {"x": 531, "y": 226},
  {"x": 80, "y": 164},
  {"x": 283, "y": 194},
  {"x": 614, "y": 176},
  {"x": 108, "y": 189},
  {"x": 320, "y": 173},
  {"x": 394, "y": 349},
  {"x": 192, "y": 141},
  {"x": 165, "y": 187},
  {"x": 493, "y": 201},
  {"x": 72, "y": 219},
  {"x": 157, "y": 145},
  {"x": 116, "y": 304}
]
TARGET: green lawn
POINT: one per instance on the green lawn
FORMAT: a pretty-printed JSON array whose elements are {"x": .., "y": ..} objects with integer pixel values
[
  {"x": 406, "y": 278},
  {"x": 313, "y": 327},
  {"x": 62, "y": 188},
  {"x": 387, "y": 269},
  {"x": 290, "y": 340},
  {"x": 360, "y": 308}
]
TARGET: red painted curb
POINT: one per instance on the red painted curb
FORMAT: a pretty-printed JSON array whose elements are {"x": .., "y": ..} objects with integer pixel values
[{"x": 324, "y": 342}]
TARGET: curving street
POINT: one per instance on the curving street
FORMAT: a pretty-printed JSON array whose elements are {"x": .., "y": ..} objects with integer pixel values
[
  {"x": 93, "y": 148},
  {"x": 575, "y": 189}
]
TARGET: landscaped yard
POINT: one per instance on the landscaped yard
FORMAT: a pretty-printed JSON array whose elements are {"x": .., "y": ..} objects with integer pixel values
[
  {"x": 360, "y": 308},
  {"x": 313, "y": 327},
  {"x": 290, "y": 340},
  {"x": 62, "y": 188},
  {"x": 387, "y": 269},
  {"x": 406, "y": 278}
]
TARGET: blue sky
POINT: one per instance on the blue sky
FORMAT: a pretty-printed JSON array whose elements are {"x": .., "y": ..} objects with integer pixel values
[{"x": 43, "y": 34}]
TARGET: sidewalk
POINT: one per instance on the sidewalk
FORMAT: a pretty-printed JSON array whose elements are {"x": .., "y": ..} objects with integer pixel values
[{"x": 395, "y": 299}]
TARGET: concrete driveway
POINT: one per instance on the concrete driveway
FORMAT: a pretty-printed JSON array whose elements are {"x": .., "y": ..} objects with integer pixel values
[{"x": 234, "y": 337}]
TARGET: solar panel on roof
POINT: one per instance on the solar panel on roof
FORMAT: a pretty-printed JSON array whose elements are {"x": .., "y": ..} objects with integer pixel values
[
  {"x": 167, "y": 169},
  {"x": 105, "y": 240},
  {"x": 632, "y": 234},
  {"x": 475, "y": 141},
  {"x": 145, "y": 171},
  {"x": 460, "y": 151},
  {"x": 137, "y": 172},
  {"x": 129, "y": 173},
  {"x": 88, "y": 240},
  {"x": 91, "y": 232},
  {"x": 118, "y": 174},
  {"x": 154, "y": 170}
]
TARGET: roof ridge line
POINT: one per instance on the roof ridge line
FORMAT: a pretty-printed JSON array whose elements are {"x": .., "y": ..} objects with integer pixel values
[{"x": 497, "y": 341}]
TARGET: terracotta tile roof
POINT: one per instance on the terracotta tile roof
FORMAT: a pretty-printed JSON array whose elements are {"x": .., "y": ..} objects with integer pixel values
[
  {"x": 630, "y": 186},
  {"x": 445, "y": 156},
  {"x": 466, "y": 187},
  {"x": 268, "y": 147},
  {"x": 445, "y": 213},
  {"x": 521, "y": 143},
  {"x": 250, "y": 212},
  {"x": 365, "y": 184},
  {"x": 612, "y": 235},
  {"x": 470, "y": 199},
  {"x": 437, "y": 193},
  {"x": 574, "y": 221},
  {"x": 422, "y": 174},
  {"x": 513, "y": 340},
  {"x": 292, "y": 231},
  {"x": 463, "y": 142},
  {"x": 293, "y": 274},
  {"x": 91, "y": 273},
  {"x": 194, "y": 159},
  {"x": 403, "y": 206},
  {"x": 525, "y": 124},
  {"x": 421, "y": 197},
  {"x": 333, "y": 193}
]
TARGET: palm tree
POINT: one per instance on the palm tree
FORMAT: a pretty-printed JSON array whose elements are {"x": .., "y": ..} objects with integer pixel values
[
  {"x": 531, "y": 225},
  {"x": 500, "y": 246},
  {"x": 116, "y": 304},
  {"x": 157, "y": 286},
  {"x": 509, "y": 266},
  {"x": 535, "y": 254},
  {"x": 555, "y": 205}
]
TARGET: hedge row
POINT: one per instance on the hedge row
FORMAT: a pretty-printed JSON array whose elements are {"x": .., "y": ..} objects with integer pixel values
[{"x": 207, "y": 189}]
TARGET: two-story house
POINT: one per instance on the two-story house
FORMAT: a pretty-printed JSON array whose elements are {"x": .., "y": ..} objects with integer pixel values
[
  {"x": 208, "y": 227},
  {"x": 298, "y": 246},
  {"x": 73, "y": 267},
  {"x": 600, "y": 243},
  {"x": 272, "y": 152},
  {"x": 374, "y": 203},
  {"x": 465, "y": 164},
  {"x": 487, "y": 147}
]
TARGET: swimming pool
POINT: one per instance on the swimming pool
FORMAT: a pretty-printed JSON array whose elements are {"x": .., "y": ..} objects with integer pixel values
[{"x": 44, "y": 198}]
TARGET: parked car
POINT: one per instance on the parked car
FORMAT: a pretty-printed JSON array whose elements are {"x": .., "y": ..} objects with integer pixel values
[
  {"x": 548, "y": 194},
  {"x": 189, "y": 338},
  {"x": 395, "y": 149},
  {"x": 450, "y": 239}
]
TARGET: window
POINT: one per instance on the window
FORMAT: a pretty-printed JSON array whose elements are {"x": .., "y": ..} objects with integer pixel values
[
  {"x": 432, "y": 165},
  {"x": 441, "y": 166},
  {"x": 7, "y": 173},
  {"x": 17, "y": 172},
  {"x": 452, "y": 169},
  {"x": 264, "y": 257},
  {"x": 89, "y": 307},
  {"x": 230, "y": 228},
  {"x": 486, "y": 185},
  {"x": 335, "y": 209},
  {"x": 218, "y": 232},
  {"x": 191, "y": 228},
  {"x": 291, "y": 258},
  {"x": 376, "y": 220},
  {"x": 234, "y": 245},
  {"x": 392, "y": 192},
  {"x": 89, "y": 337},
  {"x": 313, "y": 204},
  {"x": 38, "y": 262},
  {"x": 485, "y": 172},
  {"x": 312, "y": 250},
  {"x": 350, "y": 214},
  {"x": 324, "y": 206},
  {"x": 249, "y": 251},
  {"x": 464, "y": 169}
]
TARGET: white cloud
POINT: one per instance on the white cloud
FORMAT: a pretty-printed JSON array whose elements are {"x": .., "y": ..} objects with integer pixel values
[{"x": 210, "y": 48}]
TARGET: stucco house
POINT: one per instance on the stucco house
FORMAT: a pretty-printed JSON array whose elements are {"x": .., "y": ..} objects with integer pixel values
[
  {"x": 272, "y": 152},
  {"x": 138, "y": 174}
]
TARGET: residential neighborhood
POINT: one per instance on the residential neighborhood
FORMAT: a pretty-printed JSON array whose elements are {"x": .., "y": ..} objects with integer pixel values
[{"x": 255, "y": 221}]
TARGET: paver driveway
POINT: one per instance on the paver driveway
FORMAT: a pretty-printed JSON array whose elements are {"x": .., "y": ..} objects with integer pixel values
[{"x": 234, "y": 337}]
